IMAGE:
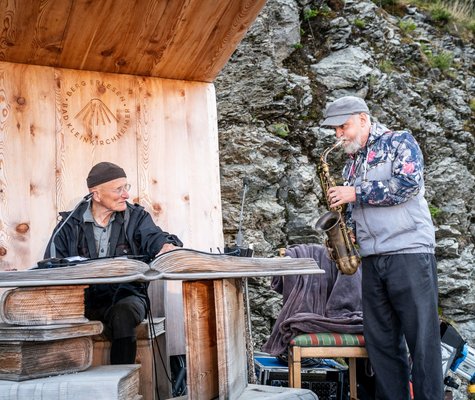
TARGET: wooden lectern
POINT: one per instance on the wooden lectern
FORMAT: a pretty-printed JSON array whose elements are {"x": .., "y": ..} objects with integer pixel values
[{"x": 215, "y": 332}]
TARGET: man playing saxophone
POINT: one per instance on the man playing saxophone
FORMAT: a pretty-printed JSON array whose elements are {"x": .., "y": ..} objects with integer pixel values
[{"x": 384, "y": 193}]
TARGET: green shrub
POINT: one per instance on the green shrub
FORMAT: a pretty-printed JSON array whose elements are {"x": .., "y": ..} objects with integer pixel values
[
  {"x": 434, "y": 211},
  {"x": 471, "y": 27},
  {"x": 443, "y": 60},
  {"x": 441, "y": 14},
  {"x": 385, "y": 3},
  {"x": 280, "y": 129},
  {"x": 386, "y": 66},
  {"x": 472, "y": 104},
  {"x": 360, "y": 23},
  {"x": 310, "y": 13},
  {"x": 407, "y": 26}
]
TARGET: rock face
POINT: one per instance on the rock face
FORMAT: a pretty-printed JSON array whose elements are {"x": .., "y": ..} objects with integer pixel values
[{"x": 301, "y": 54}]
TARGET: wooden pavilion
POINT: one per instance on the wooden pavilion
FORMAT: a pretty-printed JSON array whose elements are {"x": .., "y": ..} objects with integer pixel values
[
  {"x": 126, "y": 81},
  {"x": 129, "y": 82}
]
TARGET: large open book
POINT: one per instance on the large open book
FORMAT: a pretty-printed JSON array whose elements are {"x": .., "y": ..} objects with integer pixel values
[{"x": 180, "y": 264}]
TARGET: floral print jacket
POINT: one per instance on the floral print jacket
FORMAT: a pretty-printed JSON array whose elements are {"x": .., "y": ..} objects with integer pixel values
[
  {"x": 406, "y": 178},
  {"x": 390, "y": 214}
]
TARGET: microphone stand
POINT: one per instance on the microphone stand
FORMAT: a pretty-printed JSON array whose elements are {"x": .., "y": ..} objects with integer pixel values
[
  {"x": 53, "y": 261},
  {"x": 238, "y": 250},
  {"x": 244, "y": 191}
]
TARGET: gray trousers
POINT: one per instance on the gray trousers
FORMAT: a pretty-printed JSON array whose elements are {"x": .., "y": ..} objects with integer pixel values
[{"x": 400, "y": 306}]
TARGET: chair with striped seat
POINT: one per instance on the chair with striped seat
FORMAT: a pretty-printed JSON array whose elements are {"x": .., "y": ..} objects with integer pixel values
[{"x": 326, "y": 345}]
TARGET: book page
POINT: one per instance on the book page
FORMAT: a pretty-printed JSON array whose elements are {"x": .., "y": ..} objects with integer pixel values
[{"x": 185, "y": 264}]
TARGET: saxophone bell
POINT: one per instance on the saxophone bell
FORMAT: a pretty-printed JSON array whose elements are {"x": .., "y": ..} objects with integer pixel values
[{"x": 338, "y": 242}]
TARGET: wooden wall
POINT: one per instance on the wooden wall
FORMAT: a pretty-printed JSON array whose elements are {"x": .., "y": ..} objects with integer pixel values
[{"x": 56, "y": 123}]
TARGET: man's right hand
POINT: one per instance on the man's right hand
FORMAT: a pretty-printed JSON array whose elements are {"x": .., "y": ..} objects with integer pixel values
[
  {"x": 166, "y": 248},
  {"x": 352, "y": 236}
]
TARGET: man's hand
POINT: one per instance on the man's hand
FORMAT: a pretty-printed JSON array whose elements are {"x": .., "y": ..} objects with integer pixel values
[
  {"x": 352, "y": 236},
  {"x": 167, "y": 247},
  {"x": 339, "y": 195}
]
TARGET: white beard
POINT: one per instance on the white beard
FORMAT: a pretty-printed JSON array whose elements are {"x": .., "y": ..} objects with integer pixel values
[{"x": 353, "y": 146}]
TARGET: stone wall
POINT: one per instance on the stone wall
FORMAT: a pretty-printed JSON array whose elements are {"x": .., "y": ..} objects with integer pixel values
[{"x": 298, "y": 56}]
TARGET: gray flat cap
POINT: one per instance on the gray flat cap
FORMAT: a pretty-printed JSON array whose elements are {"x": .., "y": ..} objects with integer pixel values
[{"x": 339, "y": 111}]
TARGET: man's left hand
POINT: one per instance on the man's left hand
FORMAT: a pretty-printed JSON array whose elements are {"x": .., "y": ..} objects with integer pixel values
[{"x": 339, "y": 195}]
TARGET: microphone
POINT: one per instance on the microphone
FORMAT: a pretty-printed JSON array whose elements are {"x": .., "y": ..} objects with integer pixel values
[
  {"x": 52, "y": 247},
  {"x": 245, "y": 188}
]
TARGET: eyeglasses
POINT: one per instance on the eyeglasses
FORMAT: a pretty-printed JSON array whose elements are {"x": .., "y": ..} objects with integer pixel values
[{"x": 121, "y": 189}]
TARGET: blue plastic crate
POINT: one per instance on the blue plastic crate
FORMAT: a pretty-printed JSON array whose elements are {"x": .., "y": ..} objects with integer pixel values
[{"x": 326, "y": 378}]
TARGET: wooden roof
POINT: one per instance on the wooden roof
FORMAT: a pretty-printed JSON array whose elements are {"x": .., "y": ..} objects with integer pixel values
[{"x": 176, "y": 39}]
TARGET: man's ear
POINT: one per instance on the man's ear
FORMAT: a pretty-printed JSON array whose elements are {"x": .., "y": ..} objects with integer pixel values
[{"x": 363, "y": 118}]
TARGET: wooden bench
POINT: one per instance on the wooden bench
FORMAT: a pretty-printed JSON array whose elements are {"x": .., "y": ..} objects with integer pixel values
[{"x": 101, "y": 356}]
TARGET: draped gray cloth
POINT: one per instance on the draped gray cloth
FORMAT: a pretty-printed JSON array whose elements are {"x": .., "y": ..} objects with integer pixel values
[{"x": 315, "y": 303}]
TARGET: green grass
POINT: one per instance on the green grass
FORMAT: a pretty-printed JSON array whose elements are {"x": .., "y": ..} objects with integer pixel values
[
  {"x": 456, "y": 15},
  {"x": 310, "y": 13},
  {"x": 441, "y": 14},
  {"x": 459, "y": 10},
  {"x": 442, "y": 60}
]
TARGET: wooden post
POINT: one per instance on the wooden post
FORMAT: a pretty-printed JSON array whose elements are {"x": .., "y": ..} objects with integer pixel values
[
  {"x": 215, "y": 339},
  {"x": 201, "y": 340},
  {"x": 230, "y": 327}
]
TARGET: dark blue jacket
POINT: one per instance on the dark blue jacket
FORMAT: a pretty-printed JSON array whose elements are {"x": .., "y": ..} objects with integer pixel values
[{"x": 133, "y": 233}]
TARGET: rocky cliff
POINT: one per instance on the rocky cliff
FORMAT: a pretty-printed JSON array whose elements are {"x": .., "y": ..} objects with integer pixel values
[{"x": 301, "y": 54}]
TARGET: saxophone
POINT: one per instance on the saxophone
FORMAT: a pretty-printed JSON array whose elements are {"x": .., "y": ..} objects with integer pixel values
[{"x": 339, "y": 243}]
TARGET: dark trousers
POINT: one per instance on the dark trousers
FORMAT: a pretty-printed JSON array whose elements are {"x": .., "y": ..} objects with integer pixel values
[
  {"x": 400, "y": 306},
  {"x": 120, "y": 321}
]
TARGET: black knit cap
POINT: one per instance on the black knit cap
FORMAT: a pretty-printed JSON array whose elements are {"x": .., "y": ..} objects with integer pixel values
[{"x": 104, "y": 172}]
